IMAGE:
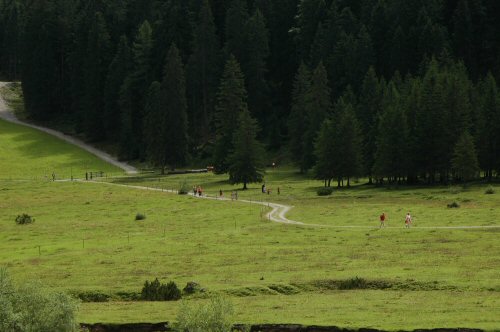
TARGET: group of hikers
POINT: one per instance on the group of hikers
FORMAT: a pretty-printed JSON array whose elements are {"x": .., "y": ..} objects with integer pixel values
[
  {"x": 268, "y": 191},
  {"x": 198, "y": 191},
  {"x": 408, "y": 220}
]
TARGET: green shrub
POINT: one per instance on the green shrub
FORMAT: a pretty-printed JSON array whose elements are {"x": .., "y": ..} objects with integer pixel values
[
  {"x": 32, "y": 307},
  {"x": 24, "y": 219},
  {"x": 184, "y": 188},
  {"x": 489, "y": 191},
  {"x": 140, "y": 216},
  {"x": 324, "y": 191},
  {"x": 353, "y": 283},
  {"x": 93, "y": 296},
  {"x": 453, "y": 205},
  {"x": 156, "y": 291},
  {"x": 192, "y": 287},
  {"x": 214, "y": 316}
]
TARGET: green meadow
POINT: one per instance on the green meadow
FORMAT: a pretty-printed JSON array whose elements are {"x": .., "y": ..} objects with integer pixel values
[
  {"x": 86, "y": 241},
  {"x": 30, "y": 154}
]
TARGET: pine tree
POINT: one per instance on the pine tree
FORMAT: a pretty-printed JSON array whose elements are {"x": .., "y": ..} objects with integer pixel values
[
  {"x": 173, "y": 24},
  {"x": 368, "y": 110},
  {"x": 95, "y": 69},
  {"x": 255, "y": 69},
  {"x": 348, "y": 145},
  {"x": 326, "y": 167},
  {"x": 488, "y": 130},
  {"x": 430, "y": 121},
  {"x": 231, "y": 101},
  {"x": 318, "y": 105},
  {"x": 297, "y": 124},
  {"x": 464, "y": 162},
  {"x": 246, "y": 164},
  {"x": 391, "y": 158},
  {"x": 39, "y": 70},
  {"x": 310, "y": 14},
  {"x": 117, "y": 72},
  {"x": 236, "y": 19},
  {"x": 154, "y": 127},
  {"x": 133, "y": 95},
  {"x": 203, "y": 71},
  {"x": 173, "y": 101}
]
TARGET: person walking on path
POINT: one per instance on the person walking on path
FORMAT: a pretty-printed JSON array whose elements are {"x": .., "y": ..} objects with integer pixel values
[
  {"x": 382, "y": 220},
  {"x": 220, "y": 193},
  {"x": 408, "y": 220}
]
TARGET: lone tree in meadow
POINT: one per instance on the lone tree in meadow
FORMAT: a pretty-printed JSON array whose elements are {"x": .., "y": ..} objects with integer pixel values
[
  {"x": 464, "y": 160},
  {"x": 245, "y": 162}
]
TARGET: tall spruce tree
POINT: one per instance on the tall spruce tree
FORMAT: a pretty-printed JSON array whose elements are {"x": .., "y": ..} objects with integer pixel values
[
  {"x": 203, "y": 72},
  {"x": 488, "y": 131},
  {"x": 39, "y": 70},
  {"x": 318, "y": 105},
  {"x": 231, "y": 101},
  {"x": 297, "y": 122},
  {"x": 117, "y": 72},
  {"x": 133, "y": 95},
  {"x": 255, "y": 69},
  {"x": 348, "y": 145},
  {"x": 246, "y": 163},
  {"x": 310, "y": 14},
  {"x": 236, "y": 19},
  {"x": 327, "y": 159},
  {"x": 464, "y": 161},
  {"x": 368, "y": 111},
  {"x": 95, "y": 71},
  {"x": 391, "y": 158},
  {"x": 154, "y": 127},
  {"x": 430, "y": 121},
  {"x": 174, "y": 104}
]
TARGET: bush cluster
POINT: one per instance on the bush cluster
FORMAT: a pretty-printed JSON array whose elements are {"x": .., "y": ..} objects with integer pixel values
[
  {"x": 140, "y": 216},
  {"x": 489, "y": 191},
  {"x": 324, "y": 191},
  {"x": 184, "y": 188},
  {"x": 156, "y": 291},
  {"x": 353, "y": 283},
  {"x": 214, "y": 316},
  {"x": 24, "y": 219}
]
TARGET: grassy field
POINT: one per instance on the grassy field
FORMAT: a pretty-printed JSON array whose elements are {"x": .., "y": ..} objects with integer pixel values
[
  {"x": 85, "y": 240},
  {"x": 29, "y": 154}
]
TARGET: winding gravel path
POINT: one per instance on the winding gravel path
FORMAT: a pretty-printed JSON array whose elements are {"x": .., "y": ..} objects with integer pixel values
[
  {"x": 7, "y": 115},
  {"x": 278, "y": 211}
]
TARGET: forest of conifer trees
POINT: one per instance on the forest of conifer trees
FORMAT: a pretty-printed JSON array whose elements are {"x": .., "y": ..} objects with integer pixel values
[{"x": 394, "y": 90}]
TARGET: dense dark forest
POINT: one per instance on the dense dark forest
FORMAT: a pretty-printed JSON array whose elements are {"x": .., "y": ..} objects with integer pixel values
[{"x": 395, "y": 90}]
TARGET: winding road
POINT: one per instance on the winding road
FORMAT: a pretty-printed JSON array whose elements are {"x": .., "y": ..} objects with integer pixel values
[
  {"x": 278, "y": 211},
  {"x": 7, "y": 115}
]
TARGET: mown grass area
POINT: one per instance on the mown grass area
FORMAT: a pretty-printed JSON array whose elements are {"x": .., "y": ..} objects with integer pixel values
[
  {"x": 86, "y": 240},
  {"x": 30, "y": 154}
]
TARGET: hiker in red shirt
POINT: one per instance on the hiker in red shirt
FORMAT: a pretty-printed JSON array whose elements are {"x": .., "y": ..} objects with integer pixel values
[{"x": 382, "y": 220}]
